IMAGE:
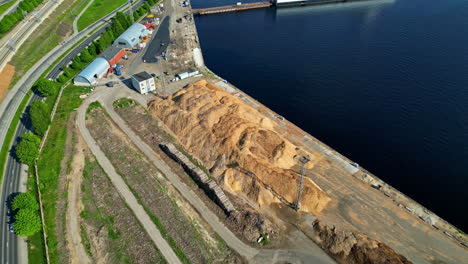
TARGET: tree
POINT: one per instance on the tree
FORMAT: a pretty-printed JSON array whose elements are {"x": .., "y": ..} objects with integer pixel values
[
  {"x": 25, "y": 201},
  {"x": 62, "y": 79},
  {"x": 129, "y": 20},
  {"x": 93, "y": 49},
  {"x": 27, "y": 222},
  {"x": 76, "y": 64},
  {"x": 46, "y": 87},
  {"x": 85, "y": 56},
  {"x": 117, "y": 28},
  {"x": 28, "y": 148},
  {"x": 68, "y": 72},
  {"x": 122, "y": 19},
  {"x": 106, "y": 39},
  {"x": 136, "y": 15},
  {"x": 99, "y": 47},
  {"x": 40, "y": 117}
]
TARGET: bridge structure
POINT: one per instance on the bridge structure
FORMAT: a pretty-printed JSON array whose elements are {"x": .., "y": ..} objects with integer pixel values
[{"x": 231, "y": 8}]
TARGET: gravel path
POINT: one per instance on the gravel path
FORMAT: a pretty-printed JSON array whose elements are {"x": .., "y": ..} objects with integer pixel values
[{"x": 122, "y": 187}]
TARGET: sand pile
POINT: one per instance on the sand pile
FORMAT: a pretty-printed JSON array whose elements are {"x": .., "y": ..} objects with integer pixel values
[
  {"x": 353, "y": 247},
  {"x": 5, "y": 78},
  {"x": 238, "y": 144}
]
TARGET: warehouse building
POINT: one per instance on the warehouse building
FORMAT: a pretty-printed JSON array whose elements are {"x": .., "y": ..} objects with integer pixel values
[
  {"x": 143, "y": 82},
  {"x": 90, "y": 74},
  {"x": 131, "y": 37},
  {"x": 112, "y": 55}
]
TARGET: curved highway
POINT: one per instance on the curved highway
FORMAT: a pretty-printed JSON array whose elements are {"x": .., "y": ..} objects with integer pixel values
[{"x": 11, "y": 180}]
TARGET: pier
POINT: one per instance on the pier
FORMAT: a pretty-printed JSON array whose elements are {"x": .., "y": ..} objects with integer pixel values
[{"x": 231, "y": 8}]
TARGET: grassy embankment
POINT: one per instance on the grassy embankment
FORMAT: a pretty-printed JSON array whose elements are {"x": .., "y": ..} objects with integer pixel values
[
  {"x": 47, "y": 36},
  {"x": 4, "y": 7},
  {"x": 49, "y": 168},
  {"x": 97, "y": 10}
]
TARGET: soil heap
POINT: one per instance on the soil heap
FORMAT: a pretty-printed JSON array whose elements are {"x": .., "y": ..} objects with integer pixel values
[
  {"x": 242, "y": 147},
  {"x": 353, "y": 247}
]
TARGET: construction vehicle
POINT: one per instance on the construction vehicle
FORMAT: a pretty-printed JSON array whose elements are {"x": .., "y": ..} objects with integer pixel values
[{"x": 117, "y": 70}]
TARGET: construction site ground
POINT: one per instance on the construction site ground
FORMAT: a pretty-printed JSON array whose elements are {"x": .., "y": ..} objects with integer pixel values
[
  {"x": 189, "y": 232},
  {"x": 93, "y": 223},
  {"x": 180, "y": 39},
  {"x": 151, "y": 131}
]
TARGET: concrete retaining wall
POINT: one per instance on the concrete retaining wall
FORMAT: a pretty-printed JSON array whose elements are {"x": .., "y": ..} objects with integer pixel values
[
  {"x": 412, "y": 207},
  {"x": 210, "y": 187}
]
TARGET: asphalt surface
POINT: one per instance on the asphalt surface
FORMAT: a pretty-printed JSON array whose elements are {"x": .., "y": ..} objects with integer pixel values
[
  {"x": 8, "y": 253},
  {"x": 154, "y": 49},
  {"x": 11, "y": 180}
]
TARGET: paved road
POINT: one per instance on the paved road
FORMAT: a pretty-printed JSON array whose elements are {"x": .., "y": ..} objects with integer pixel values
[
  {"x": 310, "y": 254},
  {"x": 122, "y": 187},
  {"x": 75, "y": 21},
  {"x": 9, "y": 241}
]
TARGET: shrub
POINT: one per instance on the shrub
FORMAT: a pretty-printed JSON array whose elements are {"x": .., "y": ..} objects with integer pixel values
[
  {"x": 46, "y": 87},
  {"x": 28, "y": 148},
  {"x": 25, "y": 201},
  {"x": 27, "y": 222},
  {"x": 40, "y": 117}
]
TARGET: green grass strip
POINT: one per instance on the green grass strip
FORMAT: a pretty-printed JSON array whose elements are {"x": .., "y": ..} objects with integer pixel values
[
  {"x": 97, "y": 10},
  {"x": 11, "y": 133},
  {"x": 49, "y": 162},
  {"x": 4, "y": 7}
]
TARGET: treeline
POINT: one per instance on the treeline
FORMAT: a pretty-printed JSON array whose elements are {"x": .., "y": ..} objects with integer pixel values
[
  {"x": 144, "y": 9},
  {"x": 14, "y": 18}
]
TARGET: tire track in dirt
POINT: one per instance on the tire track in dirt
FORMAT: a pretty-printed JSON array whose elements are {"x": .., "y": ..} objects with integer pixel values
[{"x": 73, "y": 235}]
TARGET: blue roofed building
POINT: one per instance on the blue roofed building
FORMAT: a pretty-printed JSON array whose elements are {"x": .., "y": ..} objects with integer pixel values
[
  {"x": 131, "y": 37},
  {"x": 90, "y": 74}
]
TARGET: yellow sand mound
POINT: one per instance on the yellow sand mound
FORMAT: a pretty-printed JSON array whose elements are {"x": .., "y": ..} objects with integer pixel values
[{"x": 232, "y": 138}]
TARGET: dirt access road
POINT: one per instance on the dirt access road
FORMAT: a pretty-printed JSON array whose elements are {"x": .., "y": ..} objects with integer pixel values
[
  {"x": 75, "y": 247},
  {"x": 121, "y": 186},
  {"x": 309, "y": 254}
]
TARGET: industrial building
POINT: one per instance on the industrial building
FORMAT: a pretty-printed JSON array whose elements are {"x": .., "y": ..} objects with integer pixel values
[
  {"x": 95, "y": 70},
  {"x": 112, "y": 55},
  {"x": 184, "y": 75},
  {"x": 131, "y": 37},
  {"x": 143, "y": 82}
]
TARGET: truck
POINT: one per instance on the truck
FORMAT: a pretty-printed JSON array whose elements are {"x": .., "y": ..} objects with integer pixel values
[{"x": 117, "y": 70}]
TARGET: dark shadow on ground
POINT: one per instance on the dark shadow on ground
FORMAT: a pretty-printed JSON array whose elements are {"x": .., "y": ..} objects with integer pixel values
[{"x": 154, "y": 48}]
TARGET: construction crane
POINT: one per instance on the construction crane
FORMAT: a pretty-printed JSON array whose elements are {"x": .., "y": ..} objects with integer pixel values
[{"x": 304, "y": 160}]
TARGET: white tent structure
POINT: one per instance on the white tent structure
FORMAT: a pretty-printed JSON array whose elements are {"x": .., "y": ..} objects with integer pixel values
[
  {"x": 95, "y": 70},
  {"x": 131, "y": 37}
]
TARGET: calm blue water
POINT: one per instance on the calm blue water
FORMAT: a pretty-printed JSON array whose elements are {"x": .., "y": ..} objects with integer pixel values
[{"x": 384, "y": 83}]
